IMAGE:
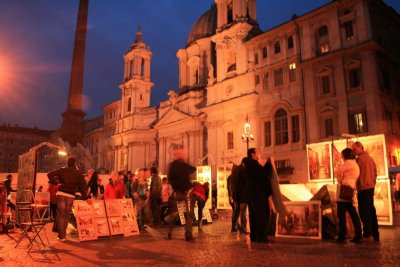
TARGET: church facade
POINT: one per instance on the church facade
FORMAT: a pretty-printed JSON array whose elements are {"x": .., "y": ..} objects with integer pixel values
[{"x": 331, "y": 71}]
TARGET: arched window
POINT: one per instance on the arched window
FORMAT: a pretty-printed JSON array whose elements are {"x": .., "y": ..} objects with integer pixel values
[
  {"x": 277, "y": 47},
  {"x": 281, "y": 127}
]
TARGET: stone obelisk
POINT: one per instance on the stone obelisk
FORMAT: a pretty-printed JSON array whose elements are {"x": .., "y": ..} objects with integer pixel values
[{"x": 72, "y": 128}]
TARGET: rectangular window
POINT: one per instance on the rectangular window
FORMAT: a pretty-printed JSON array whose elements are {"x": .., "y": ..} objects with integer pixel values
[
  {"x": 256, "y": 58},
  {"x": 265, "y": 81},
  {"x": 354, "y": 78},
  {"x": 230, "y": 140},
  {"x": 292, "y": 72},
  {"x": 283, "y": 167},
  {"x": 267, "y": 133},
  {"x": 295, "y": 129},
  {"x": 357, "y": 122},
  {"x": 348, "y": 27},
  {"x": 257, "y": 79},
  {"x": 324, "y": 48},
  {"x": 278, "y": 77},
  {"x": 290, "y": 43},
  {"x": 328, "y": 128},
  {"x": 265, "y": 52},
  {"x": 325, "y": 85}
]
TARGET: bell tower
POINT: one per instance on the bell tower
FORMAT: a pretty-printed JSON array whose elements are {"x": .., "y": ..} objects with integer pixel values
[
  {"x": 136, "y": 86},
  {"x": 232, "y": 11}
]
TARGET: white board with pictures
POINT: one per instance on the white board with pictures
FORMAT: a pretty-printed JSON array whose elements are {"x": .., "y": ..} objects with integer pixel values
[
  {"x": 206, "y": 214},
  {"x": 129, "y": 220},
  {"x": 181, "y": 211},
  {"x": 223, "y": 172},
  {"x": 383, "y": 202},
  {"x": 203, "y": 175}
]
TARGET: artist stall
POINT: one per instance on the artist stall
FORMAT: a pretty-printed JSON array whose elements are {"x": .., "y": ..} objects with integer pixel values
[{"x": 323, "y": 160}]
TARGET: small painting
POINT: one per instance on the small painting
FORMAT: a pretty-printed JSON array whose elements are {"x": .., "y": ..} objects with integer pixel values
[{"x": 303, "y": 220}]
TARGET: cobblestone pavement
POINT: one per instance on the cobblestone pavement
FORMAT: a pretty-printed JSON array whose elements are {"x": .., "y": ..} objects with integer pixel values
[{"x": 215, "y": 246}]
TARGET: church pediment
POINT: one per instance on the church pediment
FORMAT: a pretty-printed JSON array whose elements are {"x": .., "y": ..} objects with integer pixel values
[{"x": 171, "y": 117}]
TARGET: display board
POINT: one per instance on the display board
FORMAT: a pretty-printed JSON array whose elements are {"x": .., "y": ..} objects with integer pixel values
[
  {"x": 324, "y": 158},
  {"x": 102, "y": 218},
  {"x": 303, "y": 220},
  {"x": 85, "y": 221},
  {"x": 203, "y": 175},
  {"x": 383, "y": 202},
  {"x": 121, "y": 215},
  {"x": 206, "y": 215},
  {"x": 26, "y": 175},
  {"x": 295, "y": 192},
  {"x": 223, "y": 172}
]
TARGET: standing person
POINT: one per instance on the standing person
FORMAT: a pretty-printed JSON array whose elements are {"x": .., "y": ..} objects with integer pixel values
[
  {"x": 155, "y": 196},
  {"x": 93, "y": 187},
  {"x": 115, "y": 189},
  {"x": 53, "y": 188},
  {"x": 348, "y": 174},
  {"x": 365, "y": 195},
  {"x": 71, "y": 180},
  {"x": 257, "y": 195},
  {"x": 141, "y": 197},
  {"x": 199, "y": 195},
  {"x": 7, "y": 184},
  {"x": 180, "y": 176},
  {"x": 229, "y": 186},
  {"x": 239, "y": 199},
  {"x": 166, "y": 192}
]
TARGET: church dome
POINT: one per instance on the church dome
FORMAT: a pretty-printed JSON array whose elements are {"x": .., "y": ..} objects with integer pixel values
[{"x": 205, "y": 26}]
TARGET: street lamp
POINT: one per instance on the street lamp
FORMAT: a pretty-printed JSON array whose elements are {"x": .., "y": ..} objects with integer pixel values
[{"x": 247, "y": 136}]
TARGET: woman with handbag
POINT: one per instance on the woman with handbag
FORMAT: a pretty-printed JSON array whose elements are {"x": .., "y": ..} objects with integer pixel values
[{"x": 347, "y": 177}]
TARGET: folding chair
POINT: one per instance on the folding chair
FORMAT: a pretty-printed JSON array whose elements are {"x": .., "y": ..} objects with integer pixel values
[{"x": 25, "y": 221}]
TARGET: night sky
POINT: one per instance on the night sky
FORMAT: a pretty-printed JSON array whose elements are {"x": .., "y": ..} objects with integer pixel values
[{"x": 36, "y": 43}]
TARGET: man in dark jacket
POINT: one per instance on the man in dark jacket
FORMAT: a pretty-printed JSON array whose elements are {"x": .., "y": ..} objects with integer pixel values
[
  {"x": 258, "y": 192},
  {"x": 180, "y": 176},
  {"x": 72, "y": 181},
  {"x": 239, "y": 199},
  {"x": 155, "y": 196}
]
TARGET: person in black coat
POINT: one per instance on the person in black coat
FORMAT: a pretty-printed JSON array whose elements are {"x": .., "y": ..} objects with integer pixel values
[
  {"x": 237, "y": 187},
  {"x": 258, "y": 190}
]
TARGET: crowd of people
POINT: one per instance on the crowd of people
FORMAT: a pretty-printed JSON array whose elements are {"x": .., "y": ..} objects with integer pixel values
[{"x": 249, "y": 187}]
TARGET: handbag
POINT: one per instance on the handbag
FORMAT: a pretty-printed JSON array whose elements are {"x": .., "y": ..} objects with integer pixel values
[{"x": 346, "y": 192}]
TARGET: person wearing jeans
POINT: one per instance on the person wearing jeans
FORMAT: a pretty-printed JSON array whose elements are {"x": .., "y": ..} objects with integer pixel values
[
  {"x": 365, "y": 189},
  {"x": 347, "y": 175},
  {"x": 70, "y": 179}
]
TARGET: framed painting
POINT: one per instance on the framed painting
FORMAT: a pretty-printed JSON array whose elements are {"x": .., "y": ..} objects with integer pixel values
[
  {"x": 87, "y": 227},
  {"x": 303, "y": 220},
  {"x": 383, "y": 202},
  {"x": 319, "y": 162},
  {"x": 116, "y": 225},
  {"x": 113, "y": 207},
  {"x": 81, "y": 207},
  {"x": 102, "y": 227},
  {"x": 223, "y": 172},
  {"x": 99, "y": 210}
]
